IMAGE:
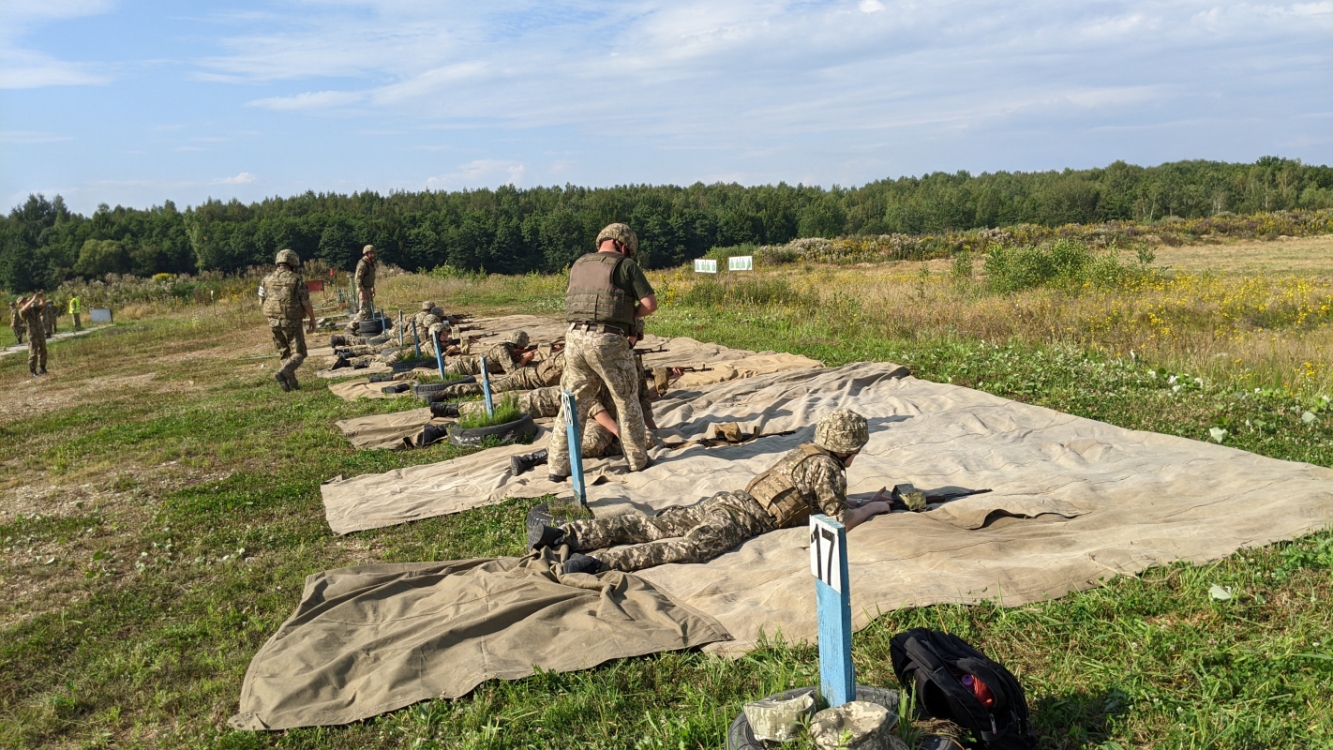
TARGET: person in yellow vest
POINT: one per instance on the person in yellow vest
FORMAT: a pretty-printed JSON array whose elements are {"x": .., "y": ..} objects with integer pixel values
[
  {"x": 286, "y": 302},
  {"x": 75, "y": 310}
]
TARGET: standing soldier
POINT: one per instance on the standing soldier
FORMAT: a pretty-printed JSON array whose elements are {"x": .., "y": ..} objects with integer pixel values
[
  {"x": 31, "y": 311},
  {"x": 365, "y": 286},
  {"x": 49, "y": 316},
  {"x": 76, "y": 309},
  {"x": 607, "y": 294},
  {"x": 16, "y": 320},
  {"x": 286, "y": 302}
]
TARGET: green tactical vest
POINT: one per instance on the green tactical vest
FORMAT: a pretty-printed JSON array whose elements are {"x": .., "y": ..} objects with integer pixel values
[
  {"x": 779, "y": 493},
  {"x": 593, "y": 298},
  {"x": 280, "y": 296}
]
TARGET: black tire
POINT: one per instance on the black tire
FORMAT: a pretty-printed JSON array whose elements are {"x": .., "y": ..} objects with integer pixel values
[
  {"x": 739, "y": 736},
  {"x": 412, "y": 365},
  {"x": 423, "y": 390},
  {"x": 371, "y": 327},
  {"x": 509, "y": 432}
]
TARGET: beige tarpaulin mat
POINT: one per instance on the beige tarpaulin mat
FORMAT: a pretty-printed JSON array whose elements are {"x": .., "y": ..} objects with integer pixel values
[
  {"x": 374, "y": 638},
  {"x": 1074, "y": 500},
  {"x": 385, "y": 431}
]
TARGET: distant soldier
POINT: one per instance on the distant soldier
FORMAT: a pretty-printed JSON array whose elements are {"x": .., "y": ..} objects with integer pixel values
[
  {"x": 16, "y": 321},
  {"x": 365, "y": 287},
  {"x": 543, "y": 374},
  {"x": 75, "y": 310},
  {"x": 810, "y": 479},
  {"x": 49, "y": 317},
  {"x": 286, "y": 302},
  {"x": 607, "y": 293},
  {"x": 31, "y": 311}
]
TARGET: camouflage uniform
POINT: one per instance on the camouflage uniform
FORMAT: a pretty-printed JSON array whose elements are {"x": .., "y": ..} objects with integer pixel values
[
  {"x": 49, "y": 318},
  {"x": 285, "y": 301},
  {"x": 500, "y": 359},
  {"x": 32, "y": 320},
  {"x": 365, "y": 286},
  {"x": 16, "y": 322},
  {"x": 809, "y": 479},
  {"x": 545, "y": 402},
  {"x": 543, "y": 374},
  {"x": 600, "y": 368}
]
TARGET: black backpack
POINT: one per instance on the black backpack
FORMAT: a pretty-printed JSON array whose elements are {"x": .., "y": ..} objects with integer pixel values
[{"x": 933, "y": 663}]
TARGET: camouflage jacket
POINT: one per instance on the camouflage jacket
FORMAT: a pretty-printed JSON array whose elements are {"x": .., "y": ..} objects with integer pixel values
[
  {"x": 805, "y": 481},
  {"x": 365, "y": 274}
]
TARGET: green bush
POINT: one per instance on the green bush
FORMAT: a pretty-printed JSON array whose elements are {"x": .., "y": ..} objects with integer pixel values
[
  {"x": 744, "y": 292},
  {"x": 1063, "y": 263},
  {"x": 720, "y": 254},
  {"x": 506, "y": 411}
]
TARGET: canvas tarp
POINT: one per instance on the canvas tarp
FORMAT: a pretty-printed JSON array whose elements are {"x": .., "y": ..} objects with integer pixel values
[
  {"x": 374, "y": 638},
  {"x": 1074, "y": 500},
  {"x": 385, "y": 431}
]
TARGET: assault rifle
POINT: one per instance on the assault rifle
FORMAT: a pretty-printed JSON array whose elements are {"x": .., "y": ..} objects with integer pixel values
[
  {"x": 907, "y": 497},
  {"x": 471, "y": 337},
  {"x": 659, "y": 349}
]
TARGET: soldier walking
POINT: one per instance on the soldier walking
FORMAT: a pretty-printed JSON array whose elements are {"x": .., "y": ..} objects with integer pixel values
[
  {"x": 607, "y": 293},
  {"x": 32, "y": 311},
  {"x": 286, "y": 302}
]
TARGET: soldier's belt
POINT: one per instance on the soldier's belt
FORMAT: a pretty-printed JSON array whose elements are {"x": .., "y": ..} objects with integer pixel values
[{"x": 597, "y": 328}]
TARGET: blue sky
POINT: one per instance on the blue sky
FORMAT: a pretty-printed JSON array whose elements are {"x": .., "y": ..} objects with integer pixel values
[{"x": 136, "y": 102}]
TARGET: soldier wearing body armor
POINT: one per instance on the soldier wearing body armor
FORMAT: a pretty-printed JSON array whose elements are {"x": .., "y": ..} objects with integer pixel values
[
  {"x": 365, "y": 288},
  {"x": 810, "y": 479},
  {"x": 286, "y": 303},
  {"x": 607, "y": 293}
]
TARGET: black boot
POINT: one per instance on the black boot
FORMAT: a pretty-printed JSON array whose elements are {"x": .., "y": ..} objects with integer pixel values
[
  {"x": 578, "y": 563},
  {"x": 341, "y": 363},
  {"x": 41, "y": 371},
  {"x": 520, "y": 464},
  {"x": 282, "y": 381},
  {"x": 337, "y": 340},
  {"x": 432, "y": 433},
  {"x": 545, "y": 536},
  {"x": 292, "y": 381},
  {"x": 444, "y": 410}
]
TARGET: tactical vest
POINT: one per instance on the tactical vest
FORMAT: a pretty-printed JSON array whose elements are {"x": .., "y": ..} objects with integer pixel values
[
  {"x": 593, "y": 298},
  {"x": 365, "y": 274},
  {"x": 779, "y": 494},
  {"x": 280, "y": 295}
]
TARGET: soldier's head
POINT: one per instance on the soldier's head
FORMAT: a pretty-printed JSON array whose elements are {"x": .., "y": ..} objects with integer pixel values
[
  {"x": 518, "y": 338},
  {"x": 427, "y": 306},
  {"x": 619, "y": 238},
  {"x": 844, "y": 433},
  {"x": 288, "y": 258},
  {"x": 368, "y": 252},
  {"x": 437, "y": 311}
]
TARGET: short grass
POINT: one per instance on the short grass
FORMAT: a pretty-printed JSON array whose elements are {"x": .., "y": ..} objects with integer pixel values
[
  {"x": 505, "y": 411},
  {"x": 159, "y": 509}
]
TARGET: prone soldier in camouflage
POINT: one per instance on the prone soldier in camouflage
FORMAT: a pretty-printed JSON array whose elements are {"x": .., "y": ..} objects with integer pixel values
[
  {"x": 607, "y": 293},
  {"x": 508, "y": 356},
  {"x": 365, "y": 287},
  {"x": 286, "y": 302},
  {"x": 16, "y": 323},
  {"x": 544, "y": 374},
  {"x": 810, "y": 479}
]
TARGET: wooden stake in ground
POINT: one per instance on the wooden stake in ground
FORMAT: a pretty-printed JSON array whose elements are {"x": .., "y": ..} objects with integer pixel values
[{"x": 828, "y": 563}]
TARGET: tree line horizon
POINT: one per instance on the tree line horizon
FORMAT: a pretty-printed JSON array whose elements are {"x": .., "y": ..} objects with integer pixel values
[{"x": 543, "y": 229}]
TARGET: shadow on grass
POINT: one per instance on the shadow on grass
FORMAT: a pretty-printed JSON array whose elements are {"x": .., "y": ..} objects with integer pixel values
[{"x": 1078, "y": 719}]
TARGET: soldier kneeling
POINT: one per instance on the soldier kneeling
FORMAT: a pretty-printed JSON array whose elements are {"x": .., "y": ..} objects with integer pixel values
[{"x": 810, "y": 479}]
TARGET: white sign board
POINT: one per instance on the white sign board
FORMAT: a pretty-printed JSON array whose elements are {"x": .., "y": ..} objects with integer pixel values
[
  {"x": 740, "y": 263},
  {"x": 704, "y": 265},
  {"x": 825, "y": 554},
  {"x": 101, "y": 315}
]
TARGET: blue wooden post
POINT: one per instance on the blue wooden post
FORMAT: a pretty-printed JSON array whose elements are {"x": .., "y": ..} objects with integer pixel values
[
  {"x": 400, "y": 329},
  {"x": 486, "y": 387},
  {"x": 416, "y": 340},
  {"x": 575, "y": 436},
  {"x": 828, "y": 563},
  {"x": 439, "y": 357}
]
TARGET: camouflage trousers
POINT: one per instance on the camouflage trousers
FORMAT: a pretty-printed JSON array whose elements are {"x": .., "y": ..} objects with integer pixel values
[
  {"x": 691, "y": 534},
  {"x": 289, "y": 340},
  {"x": 545, "y": 402},
  {"x": 36, "y": 350},
  {"x": 470, "y": 365},
  {"x": 18, "y": 330},
  {"x": 525, "y": 379},
  {"x": 78, "y": 324},
  {"x": 599, "y": 368}
]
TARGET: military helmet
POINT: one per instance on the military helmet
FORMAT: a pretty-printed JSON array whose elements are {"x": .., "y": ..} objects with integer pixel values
[
  {"x": 623, "y": 234},
  {"x": 427, "y": 306},
  {"x": 368, "y": 249},
  {"x": 518, "y": 338},
  {"x": 289, "y": 257},
  {"x": 437, "y": 311},
  {"x": 843, "y": 431}
]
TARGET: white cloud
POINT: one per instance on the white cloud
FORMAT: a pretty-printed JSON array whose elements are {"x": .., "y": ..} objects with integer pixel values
[
  {"x": 314, "y": 100},
  {"x": 479, "y": 173},
  {"x": 870, "y": 6},
  {"x": 24, "y": 68},
  {"x": 244, "y": 178}
]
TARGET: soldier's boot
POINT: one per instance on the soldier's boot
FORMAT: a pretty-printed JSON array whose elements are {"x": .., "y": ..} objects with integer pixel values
[
  {"x": 432, "y": 433},
  {"x": 282, "y": 381},
  {"x": 521, "y": 463},
  {"x": 292, "y": 381},
  {"x": 444, "y": 410},
  {"x": 341, "y": 363},
  {"x": 545, "y": 536},
  {"x": 41, "y": 371},
  {"x": 557, "y": 477},
  {"x": 579, "y": 563},
  {"x": 337, "y": 340}
]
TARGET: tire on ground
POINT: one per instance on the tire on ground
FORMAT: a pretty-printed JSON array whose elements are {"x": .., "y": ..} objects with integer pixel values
[
  {"x": 371, "y": 327},
  {"x": 423, "y": 390},
  {"x": 509, "y": 432}
]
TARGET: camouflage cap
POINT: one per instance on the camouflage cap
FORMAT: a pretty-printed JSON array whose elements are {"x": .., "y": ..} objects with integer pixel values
[
  {"x": 518, "y": 338},
  {"x": 843, "y": 431},
  {"x": 289, "y": 257},
  {"x": 620, "y": 233},
  {"x": 427, "y": 306},
  {"x": 368, "y": 249}
]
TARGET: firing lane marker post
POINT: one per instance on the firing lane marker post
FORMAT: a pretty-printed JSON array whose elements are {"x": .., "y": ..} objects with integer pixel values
[
  {"x": 400, "y": 329},
  {"x": 439, "y": 357},
  {"x": 416, "y": 340},
  {"x": 573, "y": 434},
  {"x": 828, "y": 563},
  {"x": 486, "y": 387}
]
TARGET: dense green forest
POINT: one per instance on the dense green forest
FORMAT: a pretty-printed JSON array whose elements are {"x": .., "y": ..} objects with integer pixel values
[{"x": 512, "y": 230}]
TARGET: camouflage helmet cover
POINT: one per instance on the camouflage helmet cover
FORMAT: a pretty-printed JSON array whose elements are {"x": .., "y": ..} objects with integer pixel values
[
  {"x": 620, "y": 233},
  {"x": 437, "y": 311},
  {"x": 289, "y": 257},
  {"x": 368, "y": 249},
  {"x": 843, "y": 431},
  {"x": 427, "y": 306},
  {"x": 518, "y": 338}
]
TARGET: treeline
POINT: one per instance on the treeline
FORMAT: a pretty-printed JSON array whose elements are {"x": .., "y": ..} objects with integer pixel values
[{"x": 512, "y": 230}]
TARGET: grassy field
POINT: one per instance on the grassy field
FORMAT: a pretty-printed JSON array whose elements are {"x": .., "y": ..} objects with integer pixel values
[{"x": 159, "y": 510}]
